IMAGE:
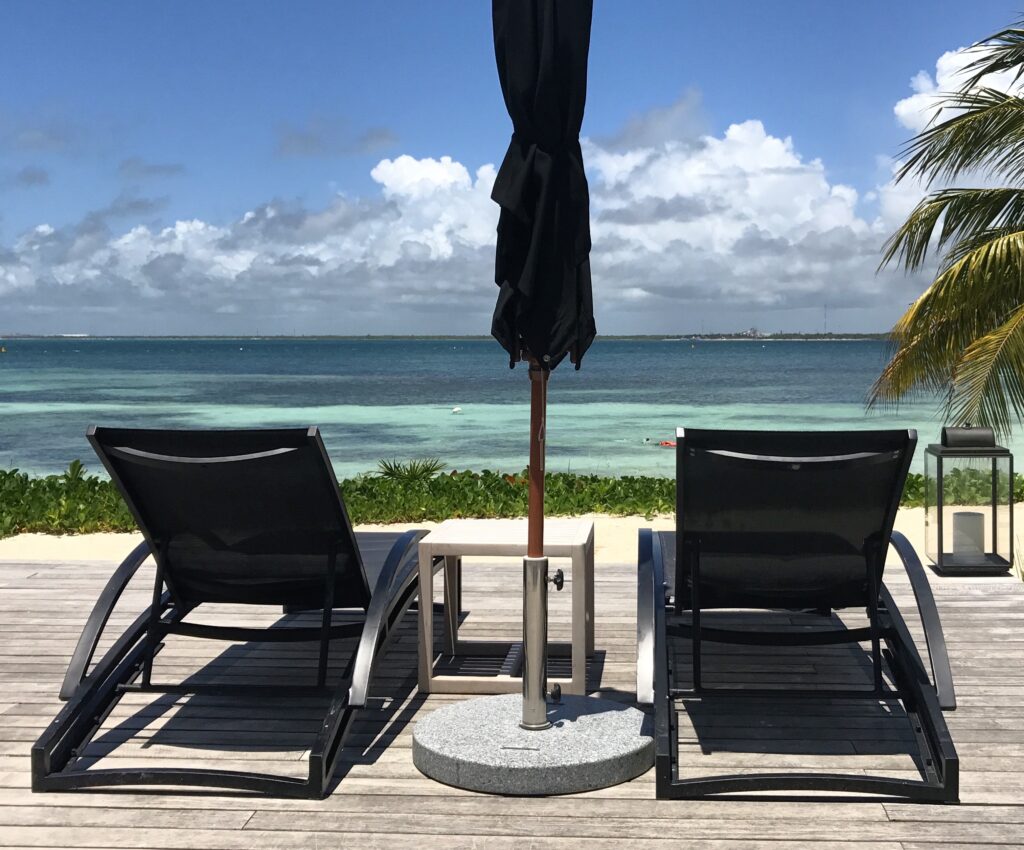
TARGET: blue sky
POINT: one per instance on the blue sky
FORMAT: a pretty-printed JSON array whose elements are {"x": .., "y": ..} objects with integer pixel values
[{"x": 118, "y": 120}]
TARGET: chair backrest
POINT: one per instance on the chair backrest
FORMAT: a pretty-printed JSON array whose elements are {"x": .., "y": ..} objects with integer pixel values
[
  {"x": 787, "y": 519},
  {"x": 247, "y": 516}
]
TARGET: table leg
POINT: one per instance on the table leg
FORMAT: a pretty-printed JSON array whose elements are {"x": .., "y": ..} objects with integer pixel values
[
  {"x": 579, "y": 622},
  {"x": 426, "y": 608},
  {"x": 589, "y": 566},
  {"x": 458, "y": 588},
  {"x": 452, "y": 601}
]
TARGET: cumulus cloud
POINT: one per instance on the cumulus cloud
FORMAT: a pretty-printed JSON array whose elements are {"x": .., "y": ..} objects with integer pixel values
[
  {"x": 423, "y": 246},
  {"x": 917, "y": 111},
  {"x": 739, "y": 222},
  {"x": 329, "y": 137},
  {"x": 689, "y": 228}
]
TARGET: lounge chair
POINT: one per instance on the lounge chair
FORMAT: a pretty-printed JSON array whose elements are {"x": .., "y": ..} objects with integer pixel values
[
  {"x": 251, "y": 517},
  {"x": 793, "y": 521}
]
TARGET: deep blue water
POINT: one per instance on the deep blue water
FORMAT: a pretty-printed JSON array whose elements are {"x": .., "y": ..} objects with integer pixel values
[{"x": 394, "y": 398}]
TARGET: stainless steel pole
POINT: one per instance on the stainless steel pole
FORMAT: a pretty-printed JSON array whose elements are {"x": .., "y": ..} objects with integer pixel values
[{"x": 535, "y": 643}]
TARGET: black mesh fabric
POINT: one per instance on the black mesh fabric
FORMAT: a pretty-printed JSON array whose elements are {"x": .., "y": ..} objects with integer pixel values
[
  {"x": 786, "y": 519},
  {"x": 239, "y": 516}
]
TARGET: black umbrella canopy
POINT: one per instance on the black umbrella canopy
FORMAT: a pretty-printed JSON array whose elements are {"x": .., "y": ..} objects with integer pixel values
[{"x": 545, "y": 307}]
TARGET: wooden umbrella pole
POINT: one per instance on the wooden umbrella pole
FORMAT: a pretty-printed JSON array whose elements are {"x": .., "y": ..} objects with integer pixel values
[
  {"x": 538, "y": 424},
  {"x": 535, "y": 567}
]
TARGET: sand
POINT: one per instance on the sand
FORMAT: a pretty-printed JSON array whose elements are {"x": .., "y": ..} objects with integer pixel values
[{"x": 614, "y": 539}]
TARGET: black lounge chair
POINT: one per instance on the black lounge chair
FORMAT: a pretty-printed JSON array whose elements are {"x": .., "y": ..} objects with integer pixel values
[
  {"x": 252, "y": 517},
  {"x": 797, "y": 521}
]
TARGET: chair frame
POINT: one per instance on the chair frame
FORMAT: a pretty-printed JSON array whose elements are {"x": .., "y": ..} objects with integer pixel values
[
  {"x": 923, "y": 698},
  {"x": 91, "y": 695}
]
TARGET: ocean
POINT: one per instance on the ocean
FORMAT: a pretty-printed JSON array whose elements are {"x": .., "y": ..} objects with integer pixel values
[{"x": 384, "y": 398}]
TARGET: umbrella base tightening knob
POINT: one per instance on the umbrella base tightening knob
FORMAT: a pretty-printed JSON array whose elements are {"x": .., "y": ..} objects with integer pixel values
[
  {"x": 555, "y": 694},
  {"x": 558, "y": 579}
]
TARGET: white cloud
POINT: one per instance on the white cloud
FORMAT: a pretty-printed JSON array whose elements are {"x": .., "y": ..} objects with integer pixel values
[
  {"x": 917, "y": 111},
  {"x": 689, "y": 227},
  {"x": 741, "y": 222},
  {"x": 419, "y": 178}
]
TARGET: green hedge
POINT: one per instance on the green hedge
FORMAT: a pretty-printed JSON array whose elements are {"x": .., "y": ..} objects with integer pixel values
[{"x": 78, "y": 503}]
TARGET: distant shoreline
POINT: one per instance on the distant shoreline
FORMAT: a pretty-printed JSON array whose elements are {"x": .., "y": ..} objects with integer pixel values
[{"x": 795, "y": 337}]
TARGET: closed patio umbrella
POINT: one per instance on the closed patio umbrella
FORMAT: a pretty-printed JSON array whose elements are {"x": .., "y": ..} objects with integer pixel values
[{"x": 545, "y": 308}]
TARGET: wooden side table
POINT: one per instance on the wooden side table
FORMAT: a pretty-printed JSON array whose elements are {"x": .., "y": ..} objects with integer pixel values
[{"x": 455, "y": 538}]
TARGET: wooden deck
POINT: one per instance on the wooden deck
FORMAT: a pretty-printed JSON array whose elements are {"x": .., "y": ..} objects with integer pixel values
[{"x": 381, "y": 801}]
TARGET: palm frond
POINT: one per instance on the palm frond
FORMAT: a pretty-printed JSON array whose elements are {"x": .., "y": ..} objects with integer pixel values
[
  {"x": 991, "y": 267},
  {"x": 962, "y": 212},
  {"x": 964, "y": 337},
  {"x": 968, "y": 300},
  {"x": 970, "y": 242},
  {"x": 983, "y": 279},
  {"x": 914, "y": 368},
  {"x": 989, "y": 388},
  {"x": 1001, "y": 51},
  {"x": 986, "y": 135}
]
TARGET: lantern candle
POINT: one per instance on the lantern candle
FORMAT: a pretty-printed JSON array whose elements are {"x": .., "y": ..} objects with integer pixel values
[{"x": 968, "y": 533}]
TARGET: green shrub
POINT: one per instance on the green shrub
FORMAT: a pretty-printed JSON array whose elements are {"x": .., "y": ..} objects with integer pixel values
[
  {"x": 410, "y": 471},
  {"x": 71, "y": 503},
  {"x": 964, "y": 486},
  {"x": 78, "y": 503},
  {"x": 913, "y": 491}
]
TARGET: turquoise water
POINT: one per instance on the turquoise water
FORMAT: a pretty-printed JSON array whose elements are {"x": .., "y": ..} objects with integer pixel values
[{"x": 394, "y": 398}]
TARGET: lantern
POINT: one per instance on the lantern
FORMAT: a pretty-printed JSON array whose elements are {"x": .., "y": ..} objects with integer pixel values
[{"x": 968, "y": 500}]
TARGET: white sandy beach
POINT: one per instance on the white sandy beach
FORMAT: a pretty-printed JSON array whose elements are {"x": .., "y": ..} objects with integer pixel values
[{"x": 614, "y": 539}]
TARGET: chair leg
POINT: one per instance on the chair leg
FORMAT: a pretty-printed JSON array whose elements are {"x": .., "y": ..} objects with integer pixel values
[
  {"x": 153, "y": 628},
  {"x": 694, "y": 558},
  {"x": 876, "y": 643},
  {"x": 325, "y": 622}
]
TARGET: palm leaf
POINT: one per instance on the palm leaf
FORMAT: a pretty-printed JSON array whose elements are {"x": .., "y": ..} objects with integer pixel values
[
  {"x": 968, "y": 300},
  {"x": 962, "y": 212},
  {"x": 986, "y": 134},
  {"x": 971, "y": 242},
  {"x": 982, "y": 277},
  {"x": 1002, "y": 51},
  {"x": 990, "y": 377},
  {"x": 964, "y": 337}
]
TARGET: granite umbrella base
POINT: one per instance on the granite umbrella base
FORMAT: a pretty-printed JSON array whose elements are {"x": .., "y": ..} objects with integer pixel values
[{"x": 478, "y": 745}]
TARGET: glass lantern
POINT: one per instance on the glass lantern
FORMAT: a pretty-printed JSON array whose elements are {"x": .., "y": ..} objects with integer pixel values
[{"x": 968, "y": 503}]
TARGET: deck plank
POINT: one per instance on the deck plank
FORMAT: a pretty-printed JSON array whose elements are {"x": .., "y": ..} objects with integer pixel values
[{"x": 380, "y": 800}]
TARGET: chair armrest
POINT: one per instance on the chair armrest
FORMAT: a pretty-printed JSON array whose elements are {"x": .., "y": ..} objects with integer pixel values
[
  {"x": 942, "y": 676},
  {"x": 650, "y": 593},
  {"x": 394, "y": 589},
  {"x": 89, "y": 639}
]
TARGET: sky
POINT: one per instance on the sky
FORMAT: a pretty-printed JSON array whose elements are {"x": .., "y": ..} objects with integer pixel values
[{"x": 326, "y": 167}]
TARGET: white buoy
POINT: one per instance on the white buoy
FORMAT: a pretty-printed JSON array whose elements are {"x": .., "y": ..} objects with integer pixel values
[{"x": 456, "y": 410}]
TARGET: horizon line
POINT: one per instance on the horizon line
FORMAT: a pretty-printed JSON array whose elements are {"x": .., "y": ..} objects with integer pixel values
[{"x": 707, "y": 335}]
